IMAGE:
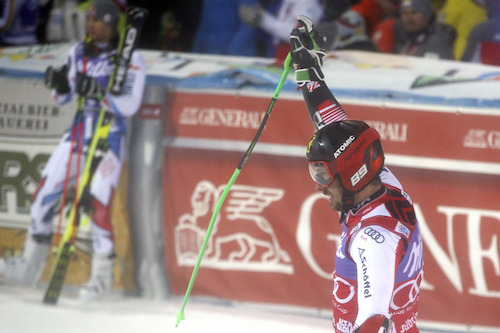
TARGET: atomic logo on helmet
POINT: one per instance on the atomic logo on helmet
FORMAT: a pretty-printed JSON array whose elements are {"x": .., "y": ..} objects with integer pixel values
[{"x": 350, "y": 150}]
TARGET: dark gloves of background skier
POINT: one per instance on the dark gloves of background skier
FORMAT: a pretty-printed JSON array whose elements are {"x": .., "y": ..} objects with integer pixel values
[
  {"x": 57, "y": 78},
  {"x": 87, "y": 86}
]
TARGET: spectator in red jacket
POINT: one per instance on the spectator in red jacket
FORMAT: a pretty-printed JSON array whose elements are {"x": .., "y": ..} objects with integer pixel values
[{"x": 416, "y": 32}]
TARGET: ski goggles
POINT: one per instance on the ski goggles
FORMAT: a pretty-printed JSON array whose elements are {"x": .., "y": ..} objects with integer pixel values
[{"x": 320, "y": 173}]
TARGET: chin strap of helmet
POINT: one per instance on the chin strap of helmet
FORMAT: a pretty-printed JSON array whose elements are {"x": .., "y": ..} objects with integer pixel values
[{"x": 347, "y": 201}]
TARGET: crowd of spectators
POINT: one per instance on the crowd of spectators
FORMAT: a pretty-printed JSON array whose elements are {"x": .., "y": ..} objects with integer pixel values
[{"x": 467, "y": 30}]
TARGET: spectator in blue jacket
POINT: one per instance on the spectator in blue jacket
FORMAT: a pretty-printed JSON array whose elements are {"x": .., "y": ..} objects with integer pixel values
[
  {"x": 483, "y": 44},
  {"x": 19, "y": 22},
  {"x": 222, "y": 32}
]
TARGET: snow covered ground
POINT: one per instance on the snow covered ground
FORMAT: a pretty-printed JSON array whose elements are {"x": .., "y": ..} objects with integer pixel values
[{"x": 22, "y": 311}]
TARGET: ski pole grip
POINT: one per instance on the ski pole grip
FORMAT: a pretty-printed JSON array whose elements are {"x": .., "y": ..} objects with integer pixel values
[{"x": 288, "y": 64}]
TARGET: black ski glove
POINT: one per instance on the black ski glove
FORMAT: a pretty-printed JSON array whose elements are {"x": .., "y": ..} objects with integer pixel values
[
  {"x": 88, "y": 87},
  {"x": 307, "y": 49},
  {"x": 57, "y": 78}
]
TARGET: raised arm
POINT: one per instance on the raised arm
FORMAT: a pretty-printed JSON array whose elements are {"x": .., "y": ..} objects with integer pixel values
[{"x": 307, "y": 51}]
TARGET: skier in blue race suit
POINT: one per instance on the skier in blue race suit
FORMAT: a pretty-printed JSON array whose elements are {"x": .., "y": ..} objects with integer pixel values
[{"x": 89, "y": 66}]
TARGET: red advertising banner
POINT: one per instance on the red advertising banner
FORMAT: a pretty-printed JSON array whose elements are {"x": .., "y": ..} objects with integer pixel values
[
  {"x": 410, "y": 130},
  {"x": 275, "y": 237}
]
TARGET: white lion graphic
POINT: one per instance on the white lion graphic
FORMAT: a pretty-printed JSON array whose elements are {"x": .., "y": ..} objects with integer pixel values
[{"x": 245, "y": 240}]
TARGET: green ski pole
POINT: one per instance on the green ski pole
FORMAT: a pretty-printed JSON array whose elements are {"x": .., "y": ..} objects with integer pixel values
[{"x": 287, "y": 67}]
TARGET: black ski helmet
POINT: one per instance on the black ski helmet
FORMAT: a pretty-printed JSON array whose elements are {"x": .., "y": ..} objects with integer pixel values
[
  {"x": 351, "y": 150},
  {"x": 105, "y": 10}
]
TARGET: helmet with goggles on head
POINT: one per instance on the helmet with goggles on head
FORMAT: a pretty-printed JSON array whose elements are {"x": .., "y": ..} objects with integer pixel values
[{"x": 350, "y": 151}]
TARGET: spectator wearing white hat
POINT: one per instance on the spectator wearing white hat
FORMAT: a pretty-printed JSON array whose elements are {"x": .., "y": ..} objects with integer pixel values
[{"x": 348, "y": 32}]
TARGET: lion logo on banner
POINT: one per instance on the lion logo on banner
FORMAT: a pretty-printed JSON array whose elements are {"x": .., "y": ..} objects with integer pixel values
[{"x": 244, "y": 240}]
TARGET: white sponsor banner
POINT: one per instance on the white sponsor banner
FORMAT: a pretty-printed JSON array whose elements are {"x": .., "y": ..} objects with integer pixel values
[
  {"x": 354, "y": 74},
  {"x": 28, "y": 111}
]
